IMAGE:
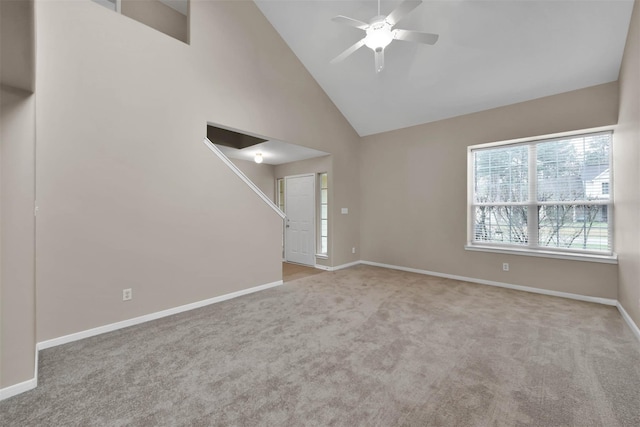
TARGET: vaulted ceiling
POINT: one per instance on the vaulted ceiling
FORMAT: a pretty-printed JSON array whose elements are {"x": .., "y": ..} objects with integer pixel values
[{"x": 489, "y": 54}]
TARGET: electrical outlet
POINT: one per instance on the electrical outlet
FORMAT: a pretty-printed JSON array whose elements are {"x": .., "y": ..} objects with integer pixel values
[
  {"x": 353, "y": 250},
  {"x": 505, "y": 266},
  {"x": 127, "y": 294}
]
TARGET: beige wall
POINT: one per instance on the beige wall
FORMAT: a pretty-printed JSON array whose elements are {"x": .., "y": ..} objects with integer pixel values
[
  {"x": 414, "y": 193},
  {"x": 128, "y": 194},
  {"x": 159, "y": 16},
  {"x": 17, "y": 228},
  {"x": 261, "y": 175},
  {"x": 17, "y": 169},
  {"x": 283, "y": 105},
  {"x": 626, "y": 173},
  {"x": 315, "y": 165}
]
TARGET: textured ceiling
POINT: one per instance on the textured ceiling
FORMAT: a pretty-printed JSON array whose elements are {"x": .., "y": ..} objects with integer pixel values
[{"x": 490, "y": 54}]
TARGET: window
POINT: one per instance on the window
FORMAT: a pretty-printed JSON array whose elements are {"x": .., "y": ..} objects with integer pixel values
[
  {"x": 280, "y": 193},
  {"x": 324, "y": 213},
  {"x": 550, "y": 196}
]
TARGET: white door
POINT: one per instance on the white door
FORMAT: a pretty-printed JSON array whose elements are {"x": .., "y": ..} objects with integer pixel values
[{"x": 300, "y": 225}]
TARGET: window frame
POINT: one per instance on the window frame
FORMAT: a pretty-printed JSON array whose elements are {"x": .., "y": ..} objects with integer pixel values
[
  {"x": 532, "y": 204},
  {"x": 319, "y": 252},
  {"x": 280, "y": 191}
]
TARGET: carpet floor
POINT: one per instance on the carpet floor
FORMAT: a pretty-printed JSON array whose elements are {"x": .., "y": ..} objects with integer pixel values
[
  {"x": 291, "y": 272},
  {"x": 363, "y": 346}
]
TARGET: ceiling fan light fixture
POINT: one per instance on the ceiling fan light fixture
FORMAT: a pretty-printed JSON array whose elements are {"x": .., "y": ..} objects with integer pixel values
[
  {"x": 380, "y": 32},
  {"x": 258, "y": 158},
  {"x": 379, "y": 36}
]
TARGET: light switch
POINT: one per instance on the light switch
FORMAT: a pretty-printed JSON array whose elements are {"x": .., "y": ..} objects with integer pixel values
[{"x": 345, "y": 210}]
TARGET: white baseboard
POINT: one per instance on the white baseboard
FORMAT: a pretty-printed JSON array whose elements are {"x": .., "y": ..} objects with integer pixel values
[
  {"x": 629, "y": 320},
  {"x": 13, "y": 390},
  {"x": 347, "y": 265},
  {"x": 605, "y": 301},
  {"x": 337, "y": 267},
  {"x": 27, "y": 385},
  {"x": 152, "y": 316},
  {"x": 16, "y": 389}
]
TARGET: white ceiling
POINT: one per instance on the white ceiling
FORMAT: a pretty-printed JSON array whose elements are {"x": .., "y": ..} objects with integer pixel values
[
  {"x": 273, "y": 152},
  {"x": 490, "y": 54}
]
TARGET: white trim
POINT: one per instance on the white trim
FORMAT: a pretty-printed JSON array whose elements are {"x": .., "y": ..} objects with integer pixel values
[
  {"x": 545, "y": 138},
  {"x": 337, "y": 267},
  {"x": 27, "y": 385},
  {"x": 22, "y": 387},
  {"x": 322, "y": 256},
  {"x": 243, "y": 177},
  {"x": 598, "y": 300},
  {"x": 152, "y": 316},
  {"x": 300, "y": 175},
  {"x": 347, "y": 265},
  {"x": 629, "y": 320},
  {"x": 16, "y": 389},
  {"x": 606, "y": 259}
]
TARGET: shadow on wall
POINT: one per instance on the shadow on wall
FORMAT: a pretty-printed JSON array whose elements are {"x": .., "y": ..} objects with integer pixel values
[{"x": 170, "y": 17}]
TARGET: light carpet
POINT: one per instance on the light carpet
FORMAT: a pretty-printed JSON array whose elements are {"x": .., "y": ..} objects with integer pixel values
[{"x": 364, "y": 346}]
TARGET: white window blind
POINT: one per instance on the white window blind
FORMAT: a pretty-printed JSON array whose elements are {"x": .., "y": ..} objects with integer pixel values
[{"x": 549, "y": 194}]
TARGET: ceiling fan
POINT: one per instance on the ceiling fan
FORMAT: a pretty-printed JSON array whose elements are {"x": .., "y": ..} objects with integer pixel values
[{"x": 380, "y": 32}]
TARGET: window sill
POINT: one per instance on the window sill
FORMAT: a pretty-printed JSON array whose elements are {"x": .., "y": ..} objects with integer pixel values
[
  {"x": 606, "y": 259},
  {"x": 322, "y": 256}
]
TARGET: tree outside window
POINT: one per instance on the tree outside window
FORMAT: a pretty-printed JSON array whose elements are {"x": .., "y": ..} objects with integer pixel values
[{"x": 544, "y": 194}]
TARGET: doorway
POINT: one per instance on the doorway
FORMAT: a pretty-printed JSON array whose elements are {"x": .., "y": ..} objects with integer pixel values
[
  {"x": 291, "y": 272},
  {"x": 300, "y": 226}
]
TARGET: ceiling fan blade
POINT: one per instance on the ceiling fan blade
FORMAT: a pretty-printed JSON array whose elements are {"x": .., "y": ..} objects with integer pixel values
[
  {"x": 401, "y": 11},
  {"x": 415, "y": 36},
  {"x": 379, "y": 60},
  {"x": 350, "y": 21},
  {"x": 348, "y": 52}
]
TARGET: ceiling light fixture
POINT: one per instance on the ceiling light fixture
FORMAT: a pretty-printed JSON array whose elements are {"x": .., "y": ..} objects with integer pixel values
[
  {"x": 379, "y": 34},
  {"x": 258, "y": 158}
]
